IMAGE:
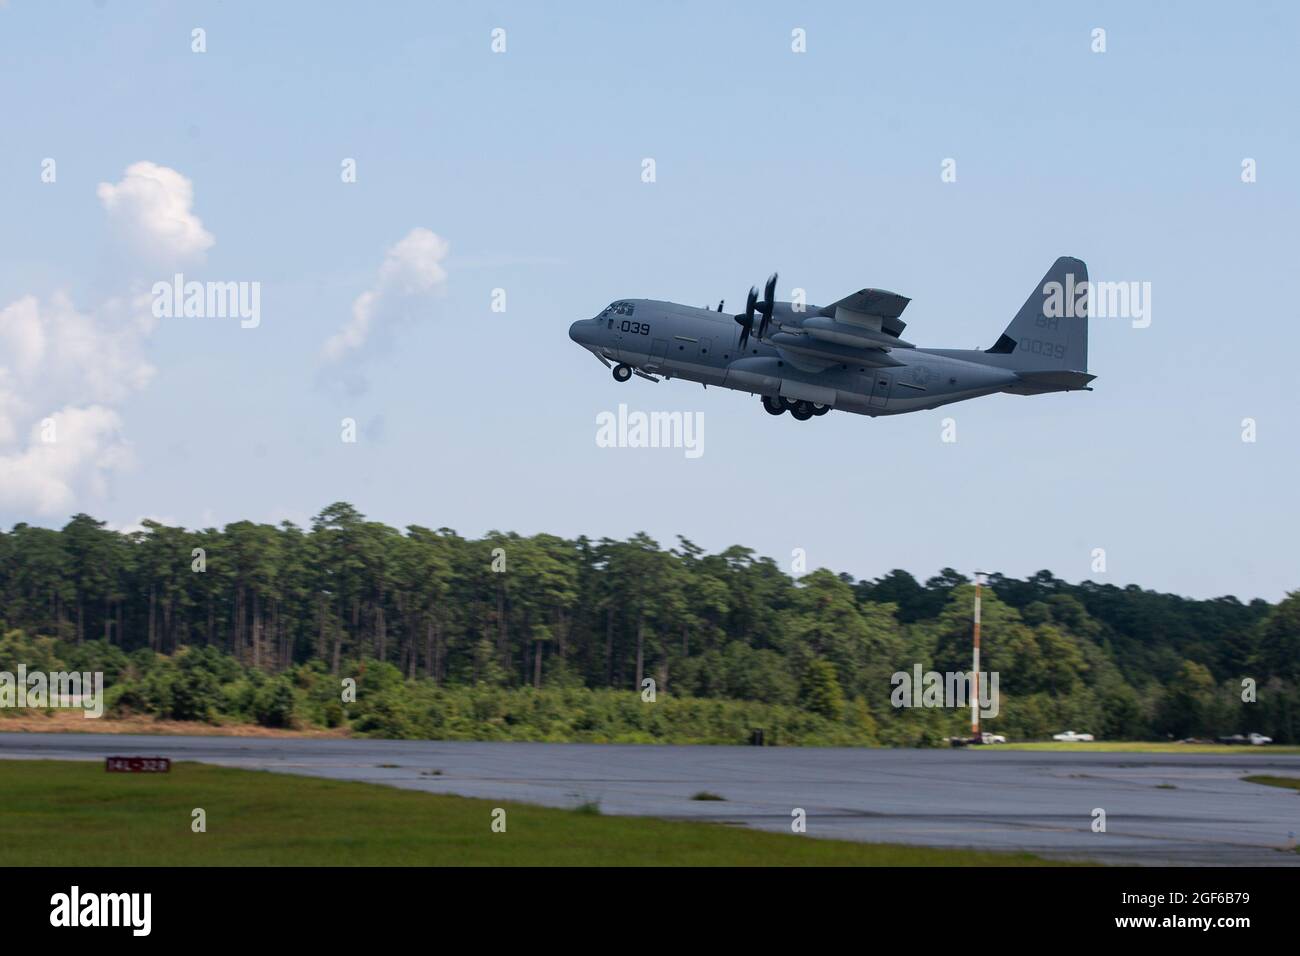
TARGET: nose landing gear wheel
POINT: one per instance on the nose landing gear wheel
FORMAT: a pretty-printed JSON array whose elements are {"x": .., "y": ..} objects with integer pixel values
[
  {"x": 773, "y": 405},
  {"x": 802, "y": 411},
  {"x": 820, "y": 409},
  {"x": 622, "y": 373}
]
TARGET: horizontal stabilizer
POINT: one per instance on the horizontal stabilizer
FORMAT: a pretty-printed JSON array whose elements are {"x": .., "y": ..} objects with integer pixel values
[{"x": 1035, "y": 383}]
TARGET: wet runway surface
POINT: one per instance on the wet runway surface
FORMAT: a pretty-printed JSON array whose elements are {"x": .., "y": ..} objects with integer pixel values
[{"x": 1177, "y": 809}]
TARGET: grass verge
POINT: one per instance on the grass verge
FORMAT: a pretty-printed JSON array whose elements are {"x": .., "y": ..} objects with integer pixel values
[{"x": 73, "y": 813}]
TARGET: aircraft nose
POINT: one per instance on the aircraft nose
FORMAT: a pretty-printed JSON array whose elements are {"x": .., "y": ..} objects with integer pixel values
[{"x": 575, "y": 331}]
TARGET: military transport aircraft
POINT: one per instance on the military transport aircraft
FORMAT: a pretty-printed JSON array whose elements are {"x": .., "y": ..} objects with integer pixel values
[{"x": 809, "y": 359}]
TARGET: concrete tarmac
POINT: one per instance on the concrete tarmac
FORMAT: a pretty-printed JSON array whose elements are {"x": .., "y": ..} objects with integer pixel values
[{"x": 1161, "y": 809}]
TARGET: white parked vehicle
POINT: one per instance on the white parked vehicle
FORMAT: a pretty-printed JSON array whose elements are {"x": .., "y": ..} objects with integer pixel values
[
  {"x": 992, "y": 738},
  {"x": 1258, "y": 739},
  {"x": 1070, "y": 737}
]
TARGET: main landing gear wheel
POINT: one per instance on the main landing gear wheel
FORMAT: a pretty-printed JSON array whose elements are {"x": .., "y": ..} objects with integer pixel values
[
  {"x": 802, "y": 411},
  {"x": 820, "y": 409},
  {"x": 773, "y": 405},
  {"x": 622, "y": 373}
]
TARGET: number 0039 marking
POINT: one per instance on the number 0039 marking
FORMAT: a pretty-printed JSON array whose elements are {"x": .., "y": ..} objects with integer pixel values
[{"x": 1039, "y": 347}]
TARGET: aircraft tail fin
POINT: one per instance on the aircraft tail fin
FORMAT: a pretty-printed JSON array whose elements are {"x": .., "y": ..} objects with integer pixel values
[{"x": 1050, "y": 332}]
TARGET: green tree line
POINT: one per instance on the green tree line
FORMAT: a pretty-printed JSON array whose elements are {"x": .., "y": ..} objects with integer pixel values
[{"x": 271, "y": 617}]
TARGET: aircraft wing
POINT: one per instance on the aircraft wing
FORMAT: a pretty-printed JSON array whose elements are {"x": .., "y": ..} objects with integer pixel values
[
  {"x": 873, "y": 309},
  {"x": 809, "y": 351},
  {"x": 859, "y": 329}
]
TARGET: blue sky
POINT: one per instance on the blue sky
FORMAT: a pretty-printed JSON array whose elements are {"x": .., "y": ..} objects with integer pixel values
[{"x": 527, "y": 164}]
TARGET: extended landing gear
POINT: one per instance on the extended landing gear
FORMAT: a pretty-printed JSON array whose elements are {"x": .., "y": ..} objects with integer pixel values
[
  {"x": 622, "y": 373},
  {"x": 776, "y": 404}
]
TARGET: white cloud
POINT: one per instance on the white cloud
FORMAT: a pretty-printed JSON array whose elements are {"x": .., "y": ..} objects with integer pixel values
[
  {"x": 50, "y": 476},
  {"x": 415, "y": 263},
  {"x": 52, "y": 355},
  {"x": 353, "y": 334},
  {"x": 71, "y": 367},
  {"x": 412, "y": 266},
  {"x": 55, "y": 357},
  {"x": 151, "y": 206}
]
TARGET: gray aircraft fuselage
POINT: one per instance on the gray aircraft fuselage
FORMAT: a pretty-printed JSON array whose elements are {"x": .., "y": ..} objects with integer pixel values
[
  {"x": 700, "y": 345},
  {"x": 651, "y": 337}
]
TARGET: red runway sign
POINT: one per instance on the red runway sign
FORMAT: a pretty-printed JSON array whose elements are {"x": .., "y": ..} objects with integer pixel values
[{"x": 137, "y": 764}]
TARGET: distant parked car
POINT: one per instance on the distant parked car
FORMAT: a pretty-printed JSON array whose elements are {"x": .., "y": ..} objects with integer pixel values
[
  {"x": 1258, "y": 739},
  {"x": 1233, "y": 739},
  {"x": 1070, "y": 737},
  {"x": 992, "y": 738}
]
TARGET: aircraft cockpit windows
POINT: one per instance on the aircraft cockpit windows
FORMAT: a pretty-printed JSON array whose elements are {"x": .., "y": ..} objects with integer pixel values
[{"x": 613, "y": 309}]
